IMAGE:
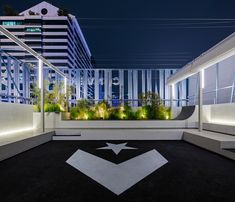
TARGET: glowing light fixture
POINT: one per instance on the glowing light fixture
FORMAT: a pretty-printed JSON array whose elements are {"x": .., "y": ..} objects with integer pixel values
[
  {"x": 173, "y": 90},
  {"x": 223, "y": 122},
  {"x": 15, "y": 131},
  {"x": 65, "y": 85},
  {"x": 203, "y": 77},
  {"x": 40, "y": 71},
  {"x": 85, "y": 116}
]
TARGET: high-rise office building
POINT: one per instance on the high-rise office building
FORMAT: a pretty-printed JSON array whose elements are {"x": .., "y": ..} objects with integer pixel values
[{"x": 52, "y": 32}]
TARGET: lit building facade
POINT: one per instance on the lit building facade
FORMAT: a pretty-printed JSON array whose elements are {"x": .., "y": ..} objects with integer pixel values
[
  {"x": 56, "y": 36},
  {"x": 125, "y": 85}
]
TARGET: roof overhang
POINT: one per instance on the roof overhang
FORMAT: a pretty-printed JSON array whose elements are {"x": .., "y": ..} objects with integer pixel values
[{"x": 218, "y": 53}]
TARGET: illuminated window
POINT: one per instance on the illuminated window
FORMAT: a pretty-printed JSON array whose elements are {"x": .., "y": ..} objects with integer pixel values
[
  {"x": 33, "y": 29},
  {"x": 12, "y": 23}
]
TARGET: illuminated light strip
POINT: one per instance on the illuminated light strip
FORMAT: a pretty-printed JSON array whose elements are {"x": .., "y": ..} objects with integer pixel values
[
  {"x": 40, "y": 68},
  {"x": 16, "y": 131},
  {"x": 203, "y": 78},
  {"x": 223, "y": 122},
  {"x": 173, "y": 90},
  {"x": 65, "y": 85}
]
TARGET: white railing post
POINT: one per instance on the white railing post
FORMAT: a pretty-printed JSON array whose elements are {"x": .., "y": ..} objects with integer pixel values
[
  {"x": 172, "y": 95},
  {"x": 200, "y": 100},
  {"x": 41, "y": 86}
]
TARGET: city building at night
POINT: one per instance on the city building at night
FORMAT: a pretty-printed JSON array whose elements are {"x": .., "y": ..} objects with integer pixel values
[
  {"x": 55, "y": 35},
  {"x": 148, "y": 116}
]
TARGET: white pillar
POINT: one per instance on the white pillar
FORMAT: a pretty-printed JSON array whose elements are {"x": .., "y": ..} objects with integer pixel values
[
  {"x": 200, "y": 100},
  {"x": 167, "y": 89},
  {"x": 216, "y": 83},
  {"x": 135, "y": 88},
  {"x": 172, "y": 95},
  {"x": 65, "y": 85},
  {"x": 96, "y": 85},
  {"x": 143, "y": 82},
  {"x": 41, "y": 86},
  {"x": 184, "y": 91},
  {"x": 232, "y": 91}
]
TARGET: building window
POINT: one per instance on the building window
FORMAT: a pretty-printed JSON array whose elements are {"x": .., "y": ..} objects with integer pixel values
[
  {"x": 51, "y": 86},
  {"x": 21, "y": 86},
  {"x": 12, "y": 23},
  {"x": 3, "y": 87},
  {"x": 44, "y": 11},
  {"x": 33, "y": 29}
]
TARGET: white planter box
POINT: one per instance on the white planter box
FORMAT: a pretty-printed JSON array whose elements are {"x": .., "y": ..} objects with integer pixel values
[
  {"x": 14, "y": 117},
  {"x": 49, "y": 120}
]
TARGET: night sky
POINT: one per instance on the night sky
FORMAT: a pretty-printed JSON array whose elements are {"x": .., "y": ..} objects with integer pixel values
[{"x": 147, "y": 33}]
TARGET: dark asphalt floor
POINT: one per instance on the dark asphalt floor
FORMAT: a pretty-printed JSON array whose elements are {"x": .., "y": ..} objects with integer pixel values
[{"x": 191, "y": 174}]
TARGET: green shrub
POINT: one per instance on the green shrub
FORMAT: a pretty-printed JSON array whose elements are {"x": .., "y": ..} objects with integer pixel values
[
  {"x": 114, "y": 114},
  {"x": 83, "y": 111},
  {"x": 36, "y": 108},
  {"x": 74, "y": 113},
  {"x": 52, "y": 107},
  {"x": 144, "y": 113},
  {"x": 102, "y": 110},
  {"x": 152, "y": 110},
  {"x": 126, "y": 113},
  {"x": 83, "y": 104}
]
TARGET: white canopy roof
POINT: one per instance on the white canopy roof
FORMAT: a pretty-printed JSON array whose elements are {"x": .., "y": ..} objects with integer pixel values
[{"x": 218, "y": 53}]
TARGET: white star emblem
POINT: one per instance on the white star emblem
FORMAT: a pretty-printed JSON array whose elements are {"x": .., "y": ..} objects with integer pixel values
[{"x": 117, "y": 148}]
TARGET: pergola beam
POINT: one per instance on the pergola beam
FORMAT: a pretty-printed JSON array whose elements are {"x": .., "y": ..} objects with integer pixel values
[{"x": 29, "y": 50}]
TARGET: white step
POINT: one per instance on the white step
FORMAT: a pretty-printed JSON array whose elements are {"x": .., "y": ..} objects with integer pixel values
[
  {"x": 118, "y": 134},
  {"x": 216, "y": 142}
]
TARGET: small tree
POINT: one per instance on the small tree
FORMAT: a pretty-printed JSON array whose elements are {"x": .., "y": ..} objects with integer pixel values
[
  {"x": 150, "y": 98},
  {"x": 153, "y": 107},
  {"x": 51, "y": 98},
  {"x": 9, "y": 11}
]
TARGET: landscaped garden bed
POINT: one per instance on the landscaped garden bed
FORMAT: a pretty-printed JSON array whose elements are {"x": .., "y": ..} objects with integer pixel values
[{"x": 151, "y": 108}]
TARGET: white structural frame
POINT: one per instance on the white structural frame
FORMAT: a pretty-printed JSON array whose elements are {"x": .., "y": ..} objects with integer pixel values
[
  {"x": 216, "y": 54},
  {"x": 41, "y": 61}
]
